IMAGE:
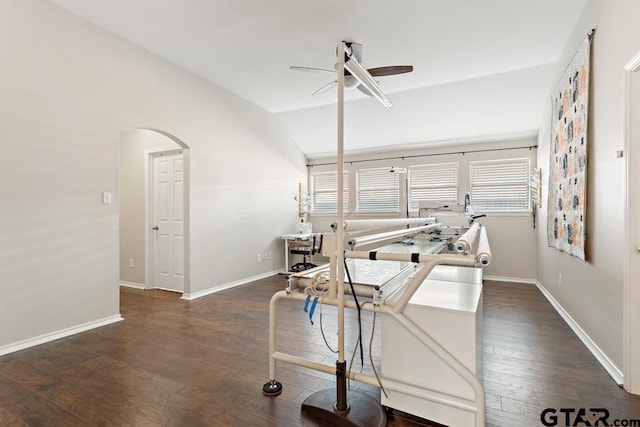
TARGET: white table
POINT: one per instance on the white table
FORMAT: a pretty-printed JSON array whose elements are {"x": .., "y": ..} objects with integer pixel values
[
  {"x": 448, "y": 307},
  {"x": 294, "y": 237}
]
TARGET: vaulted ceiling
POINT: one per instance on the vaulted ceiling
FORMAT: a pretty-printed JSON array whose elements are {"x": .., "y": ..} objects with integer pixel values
[{"x": 483, "y": 69}]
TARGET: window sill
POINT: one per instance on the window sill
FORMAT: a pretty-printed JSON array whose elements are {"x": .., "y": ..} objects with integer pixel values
[{"x": 519, "y": 213}]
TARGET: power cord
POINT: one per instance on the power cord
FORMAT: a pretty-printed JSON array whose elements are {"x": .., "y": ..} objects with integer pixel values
[
  {"x": 355, "y": 298},
  {"x": 373, "y": 328},
  {"x": 322, "y": 332}
]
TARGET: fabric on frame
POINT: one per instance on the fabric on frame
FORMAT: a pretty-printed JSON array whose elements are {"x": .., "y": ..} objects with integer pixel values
[{"x": 566, "y": 207}]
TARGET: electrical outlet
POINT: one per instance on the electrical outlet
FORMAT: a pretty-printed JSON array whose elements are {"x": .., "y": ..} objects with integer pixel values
[
  {"x": 130, "y": 262},
  {"x": 106, "y": 198},
  {"x": 258, "y": 258},
  {"x": 267, "y": 255},
  {"x": 559, "y": 279}
]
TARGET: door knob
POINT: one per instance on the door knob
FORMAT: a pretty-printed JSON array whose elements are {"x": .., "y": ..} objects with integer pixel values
[{"x": 155, "y": 227}]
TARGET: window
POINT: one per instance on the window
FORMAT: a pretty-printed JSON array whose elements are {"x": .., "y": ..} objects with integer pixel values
[
  {"x": 437, "y": 183},
  {"x": 377, "y": 190},
  {"x": 500, "y": 185},
  {"x": 324, "y": 189}
]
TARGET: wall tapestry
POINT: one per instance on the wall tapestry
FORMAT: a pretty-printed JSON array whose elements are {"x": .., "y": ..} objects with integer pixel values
[{"x": 568, "y": 163}]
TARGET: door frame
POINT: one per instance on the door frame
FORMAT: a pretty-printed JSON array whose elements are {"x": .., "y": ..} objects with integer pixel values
[
  {"x": 150, "y": 260},
  {"x": 631, "y": 291},
  {"x": 148, "y": 220}
]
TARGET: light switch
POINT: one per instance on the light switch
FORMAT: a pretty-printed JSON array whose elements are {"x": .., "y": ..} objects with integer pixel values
[{"x": 106, "y": 198}]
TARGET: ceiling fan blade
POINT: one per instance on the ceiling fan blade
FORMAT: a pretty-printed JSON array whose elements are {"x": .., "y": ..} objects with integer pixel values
[
  {"x": 311, "y": 69},
  {"x": 390, "y": 70},
  {"x": 326, "y": 87}
]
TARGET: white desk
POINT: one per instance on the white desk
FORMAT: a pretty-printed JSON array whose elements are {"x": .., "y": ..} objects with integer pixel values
[
  {"x": 448, "y": 307},
  {"x": 288, "y": 238}
]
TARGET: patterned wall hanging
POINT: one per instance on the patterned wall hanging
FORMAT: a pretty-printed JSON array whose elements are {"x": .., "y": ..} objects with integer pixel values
[{"x": 568, "y": 164}]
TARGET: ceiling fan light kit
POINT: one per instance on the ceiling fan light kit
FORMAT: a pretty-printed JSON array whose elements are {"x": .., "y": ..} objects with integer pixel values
[{"x": 365, "y": 79}]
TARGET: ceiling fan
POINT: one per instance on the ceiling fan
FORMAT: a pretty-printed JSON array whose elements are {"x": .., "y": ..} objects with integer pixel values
[{"x": 353, "y": 54}]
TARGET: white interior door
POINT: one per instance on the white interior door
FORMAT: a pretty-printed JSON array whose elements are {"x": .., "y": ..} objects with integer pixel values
[{"x": 168, "y": 220}]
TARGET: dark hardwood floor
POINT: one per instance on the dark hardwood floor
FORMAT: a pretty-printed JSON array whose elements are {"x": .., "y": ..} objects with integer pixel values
[{"x": 203, "y": 363}]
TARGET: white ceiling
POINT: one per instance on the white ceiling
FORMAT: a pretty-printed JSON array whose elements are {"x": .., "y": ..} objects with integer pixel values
[{"x": 482, "y": 68}]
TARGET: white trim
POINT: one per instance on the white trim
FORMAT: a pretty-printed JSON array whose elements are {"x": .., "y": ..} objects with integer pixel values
[
  {"x": 52, "y": 336},
  {"x": 600, "y": 356},
  {"x": 149, "y": 276},
  {"x": 148, "y": 216},
  {"x": 634, "y": 63},
  {"x": 149, "y": 154},
  {"x": 159, "y": 288},
  {"x": 518, "y": 280},
  {"x": 631, "y": 293},
  {"x": 226, "y": 286},
  {"x": 132, "y": 285},
  {"x": 148, "y": 195}
]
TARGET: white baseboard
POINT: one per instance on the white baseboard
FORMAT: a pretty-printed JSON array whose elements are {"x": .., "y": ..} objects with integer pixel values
[
  {"x": 510, "y": 279},
  {"x": 132, "y": 285},
  {"x": 225, "y": 286},
  {"x": 604, "y": 360},
  {"x": 52, "y": 336}
]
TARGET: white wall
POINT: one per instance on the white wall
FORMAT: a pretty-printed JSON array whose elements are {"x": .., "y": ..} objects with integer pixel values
[
  {"x": 511, "y": 236},
  {"x": 132, "y": 157},
  {"x": 591, "y": 292},
  {"x": 67, "y": 90}
]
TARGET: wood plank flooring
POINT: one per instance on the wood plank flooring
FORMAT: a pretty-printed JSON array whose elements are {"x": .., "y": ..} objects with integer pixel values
[{"x": 203, "y": 363}]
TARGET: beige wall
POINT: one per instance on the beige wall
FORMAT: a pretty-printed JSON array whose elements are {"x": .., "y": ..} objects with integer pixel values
[
  {"x": 591, "y": 292},
  {"x": 512, "y": 236},
  {"x": 67, "y": 90}
]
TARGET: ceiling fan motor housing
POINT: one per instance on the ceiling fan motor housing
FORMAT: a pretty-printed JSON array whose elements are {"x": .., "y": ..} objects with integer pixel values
[{"x": 355, "y": 50}]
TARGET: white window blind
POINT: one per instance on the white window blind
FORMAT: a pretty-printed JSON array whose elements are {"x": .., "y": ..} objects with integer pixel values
[
  {"x": 437, "y": 183},
  {"x": 324, "y": 189},
  {"x": 500, "y": 185},
  {"x": 377, "y": 190}
]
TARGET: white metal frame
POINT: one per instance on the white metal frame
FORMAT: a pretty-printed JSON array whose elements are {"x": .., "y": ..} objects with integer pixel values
[{"x": 396, "y": 311}]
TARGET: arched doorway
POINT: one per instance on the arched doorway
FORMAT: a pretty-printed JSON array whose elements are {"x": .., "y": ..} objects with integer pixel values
[{"x": 153, "y": 210}]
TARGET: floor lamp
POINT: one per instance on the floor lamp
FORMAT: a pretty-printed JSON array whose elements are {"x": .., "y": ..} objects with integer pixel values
[{"x": 333, "y": 406}]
